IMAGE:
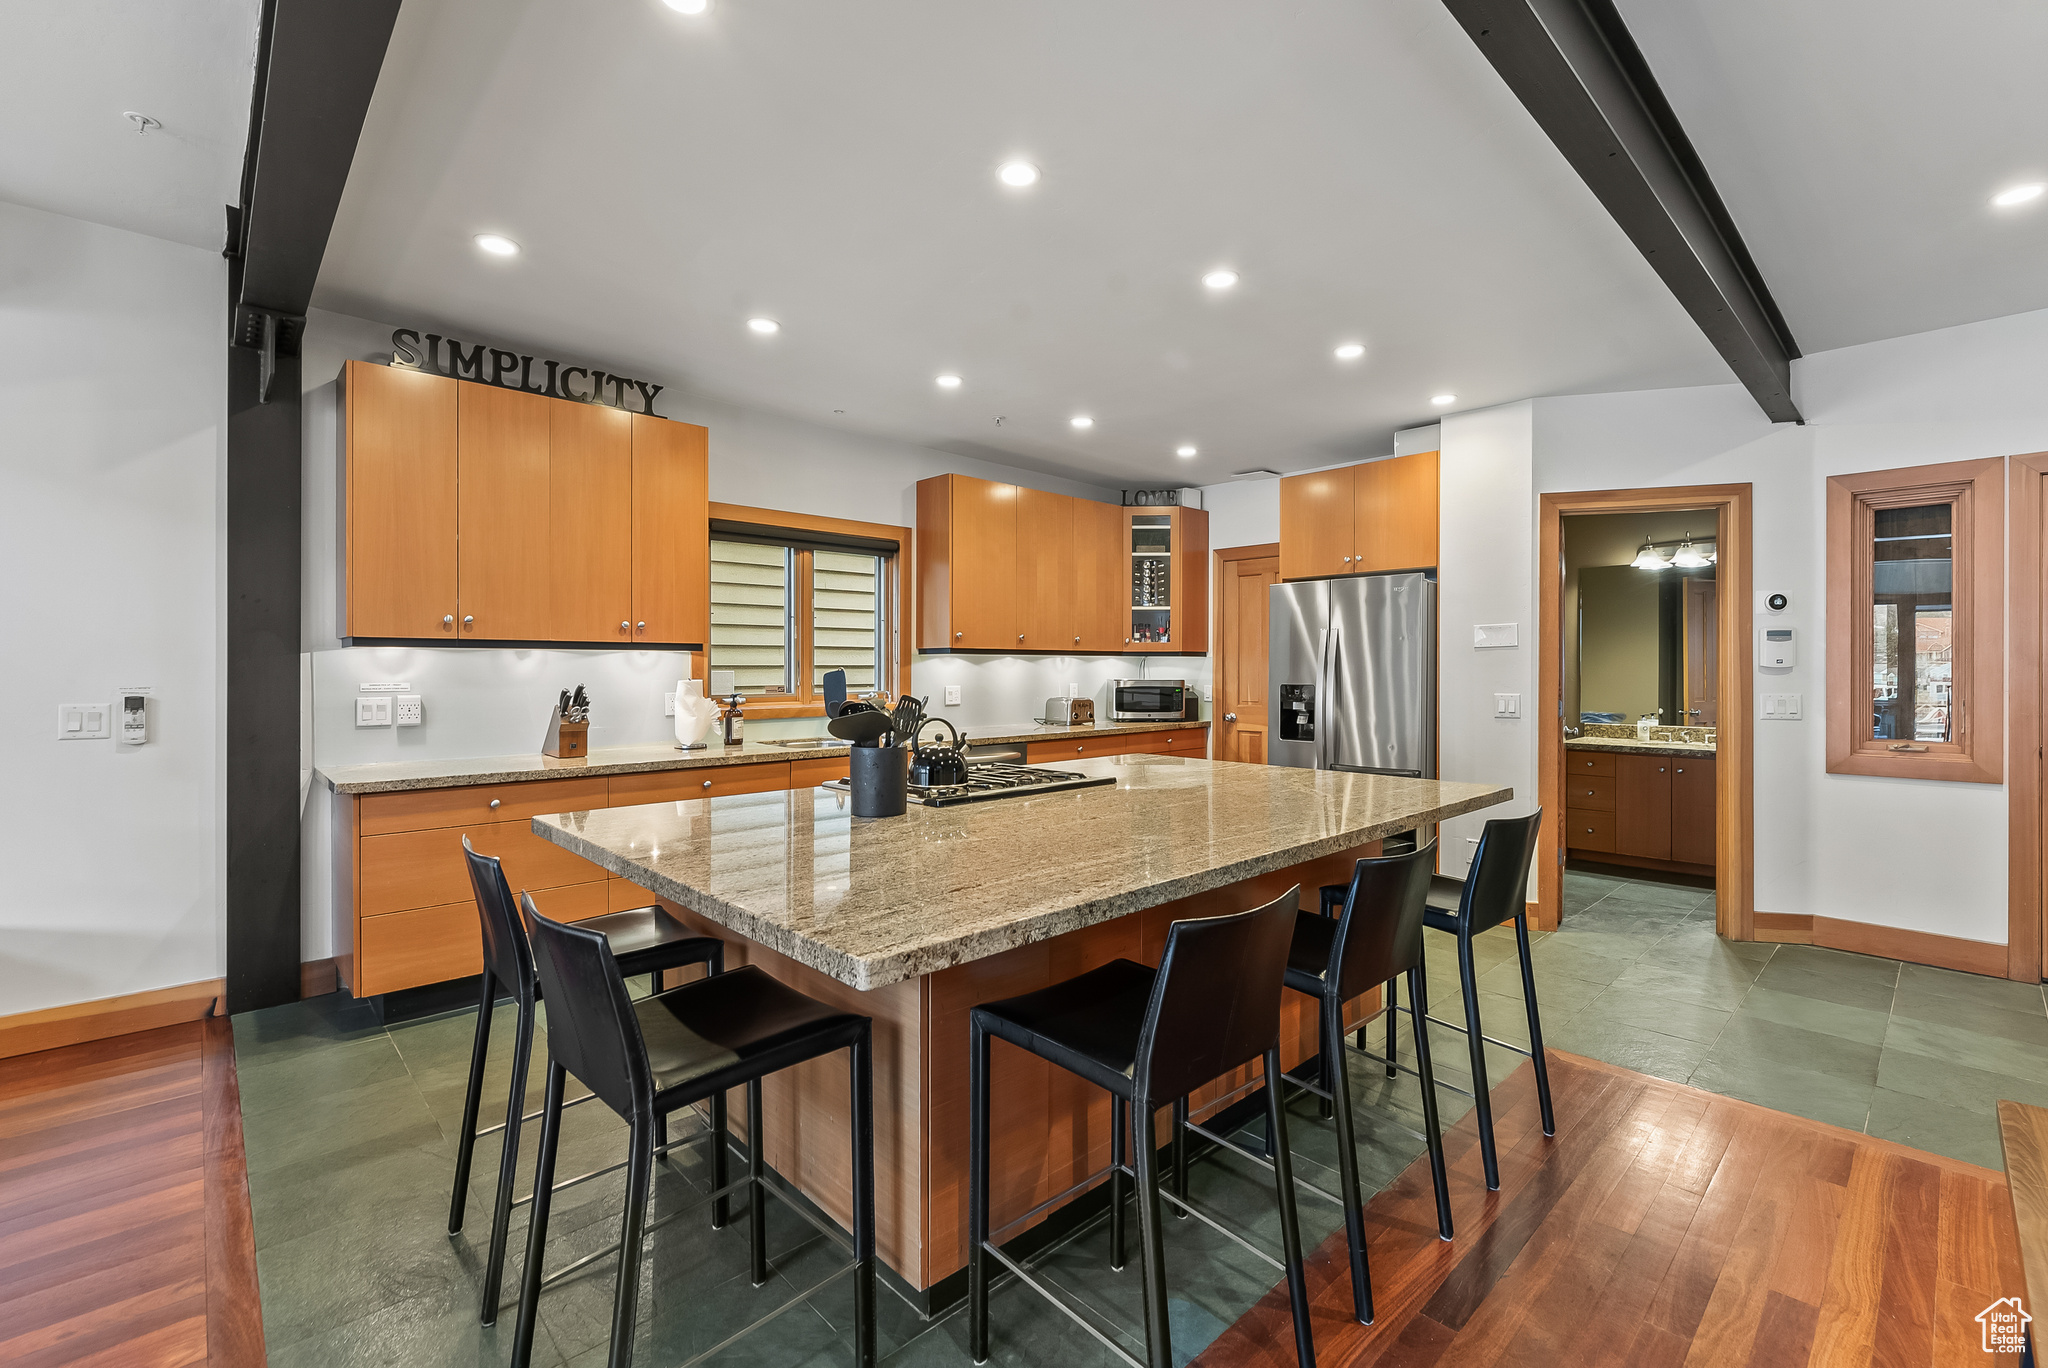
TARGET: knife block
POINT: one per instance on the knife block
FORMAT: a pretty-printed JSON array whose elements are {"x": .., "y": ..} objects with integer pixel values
[{"x": 566, "y": 740}]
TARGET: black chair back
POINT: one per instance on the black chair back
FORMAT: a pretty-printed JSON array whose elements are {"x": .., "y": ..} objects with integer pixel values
[
  {"x": 1497, "y": 887},
  {"x": 592, "y": 1030},
  {"x": 1216, "y": 1002},
  {"x": 1379, "y": 932},
  {"x": 506, "y": 953}
]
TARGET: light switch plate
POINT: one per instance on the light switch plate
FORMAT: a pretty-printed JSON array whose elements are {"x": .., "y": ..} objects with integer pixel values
[
  {"x": 84, "y": 722},
  {"x": 1781, "y": 707},
  {"x": 409, "y": 711},
  {"x": 373, "y": 710},
  {"x": 952, "y": 695},
  {"x": 1507, "y": 705}
]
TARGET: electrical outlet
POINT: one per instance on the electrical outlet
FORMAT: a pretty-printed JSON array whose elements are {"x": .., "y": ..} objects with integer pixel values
[
  {"x": 952, "y": 695},
  {"x": 1073, "y": 688},
  {"x": 668, "y": 704},
  {"x": 373, "y": 711},
  {"x": 410, "y": 711},
  {"x": 1507, "y": 705},
  {"x": 1781, "y": 707},
  {"x": 84, "y": 722}
]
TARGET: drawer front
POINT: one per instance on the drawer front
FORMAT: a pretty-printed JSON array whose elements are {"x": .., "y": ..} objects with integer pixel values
[
  {"x": 672, "y": 786},
  {"x": 1589, "y": 762},
  {"x": 1052, "y": 752},
  {"x": 1589, "y": 792},
  {"x": 383, "y": 813},
  {"x": 805, "y": 774},
  {"x": 416, "y": 869},
  {"x": 435, "y": 944},
  {"x": 1168, "y": 743},
  {"x": 1589, "y": 830}
]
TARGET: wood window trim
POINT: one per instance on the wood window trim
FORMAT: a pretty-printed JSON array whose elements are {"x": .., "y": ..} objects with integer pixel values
[
  {"x": 896, "y": 587},
  {"x": 2027, "y": 830},
  {"x": 1977, "y": 488}
]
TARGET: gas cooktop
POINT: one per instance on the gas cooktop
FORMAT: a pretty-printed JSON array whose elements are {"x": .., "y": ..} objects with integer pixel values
[{"x": 994, "y": 780}]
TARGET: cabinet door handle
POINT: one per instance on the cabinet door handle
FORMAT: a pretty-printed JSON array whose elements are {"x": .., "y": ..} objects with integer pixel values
[
  {"x": 1681, "y": 769},
  {"x": 1077, "y": 641},
  {"x": 1020, "y": 636},
  {"x": 467, "y": 623},
  {"x": 495, "y": 802},
  {"x": 447, "y": 622},
  {"x": 1660, "y": 769},
  {"x": 1078, "y": 748},
  {"x": 625, "y": 626},
  {"x": 641, "y": 627},
  {"x": 958, "y": 635}
]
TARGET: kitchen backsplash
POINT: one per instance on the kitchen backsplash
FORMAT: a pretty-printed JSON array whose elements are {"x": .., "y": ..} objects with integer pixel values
[{"x": 1697, "y": 736}]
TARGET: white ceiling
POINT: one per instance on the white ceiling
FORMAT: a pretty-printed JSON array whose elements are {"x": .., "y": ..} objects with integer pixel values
[
  {"x": 832, "y": 165},
  {"x": 1858, "y": 144},
  {"x": 69, "y": 71}
]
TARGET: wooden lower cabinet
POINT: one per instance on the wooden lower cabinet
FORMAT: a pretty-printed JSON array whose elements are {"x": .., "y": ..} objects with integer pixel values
[
  {"x": 431, "y": 944},
  {"x": 1642, "y": 818},
  {"x": 1694, "y": 831},
  {"x": 1656, "y": 810}
]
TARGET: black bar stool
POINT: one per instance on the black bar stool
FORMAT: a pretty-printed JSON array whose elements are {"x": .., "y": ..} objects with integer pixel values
[
  {"x": 1148, "y": 1038},
  {"x": 1494, "y": 892},
  {"x": 648, "y": 1059},
  {"x": 645, "y": 940},
  {"x": 1376, "y": 938}
]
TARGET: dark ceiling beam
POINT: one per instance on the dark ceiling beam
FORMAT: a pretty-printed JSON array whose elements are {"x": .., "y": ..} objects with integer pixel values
[
  {"x": 1574, "y": 66},
  {"x": 316, "y": 65}
]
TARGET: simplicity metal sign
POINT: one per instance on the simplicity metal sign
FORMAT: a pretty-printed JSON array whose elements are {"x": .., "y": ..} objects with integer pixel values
[{"x": 412, "y": 350}]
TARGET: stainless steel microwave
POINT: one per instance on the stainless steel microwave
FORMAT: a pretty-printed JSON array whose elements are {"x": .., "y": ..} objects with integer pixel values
[{"x": 1148, "y": 700}]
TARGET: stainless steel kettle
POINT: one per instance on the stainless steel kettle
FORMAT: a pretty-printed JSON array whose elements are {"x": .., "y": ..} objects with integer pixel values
[{"x": 937, "y": 766}]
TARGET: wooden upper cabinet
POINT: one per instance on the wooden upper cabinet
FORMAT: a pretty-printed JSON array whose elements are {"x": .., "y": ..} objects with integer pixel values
[
  {"x": 503, "y": 498},
  {"x": 1317, "y": 513},
  {"x": 1394, "y": 513},
  {"x": 399, "y": 503},
  {"x": 590, "y": 523},
  {"x": 1102, "y": 578},
  {"x": 1047, "y": 613},
  {"x": 1190, "y": 580},
  {"x": 966, "y": 564},
  {"x": 671, "y": 533}
]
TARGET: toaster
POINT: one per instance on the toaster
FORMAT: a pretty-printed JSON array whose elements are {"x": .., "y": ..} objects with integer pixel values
[{"x": 1068, "y": 712}]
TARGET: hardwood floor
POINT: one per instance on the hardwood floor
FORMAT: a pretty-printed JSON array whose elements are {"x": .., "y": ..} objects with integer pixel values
[
  {"x": 125, "y": 1235},
  {"x": 1663, "y": 1226}
]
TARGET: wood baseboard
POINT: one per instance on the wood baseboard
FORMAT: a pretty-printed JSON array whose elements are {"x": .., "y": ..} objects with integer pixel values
[
  {"x": 73, "y": 1024},
  {"x": 317, "y": 977},
  {"x": 1918, "y": 947}
]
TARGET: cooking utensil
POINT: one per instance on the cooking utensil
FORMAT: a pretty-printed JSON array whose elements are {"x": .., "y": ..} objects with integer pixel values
[
  {"x": 863, "y": 729},
  {"x": 934, "y": 766},
  {"x": 854, "y": 705},
  {"x": 907, "y": 717},
  {"x": 835, "y": 692}
]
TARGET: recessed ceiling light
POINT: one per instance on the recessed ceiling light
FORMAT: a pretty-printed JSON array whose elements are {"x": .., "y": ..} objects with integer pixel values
[
  {"x": 1183, "y": 451},
  {"x": 1350, "y": 351},
  {"x": 1082, "y": 420},
  {"x": 1220, "y": 280},
  {"x": 496, "y": 245},
  {"x": 2018, "y": 194},
  {"x": 1017, "y": 173},
  {"x": 689, "y": 6},
  {"x": 764, "y": 326},
  {"x": 948, "y": 382},
  {"x": 1441, "y": 400}
]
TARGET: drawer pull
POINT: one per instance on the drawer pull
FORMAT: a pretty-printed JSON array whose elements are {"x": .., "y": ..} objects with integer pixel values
[
  {"x": 495, "y": 802},
  {"x": 707, "y": 783}
]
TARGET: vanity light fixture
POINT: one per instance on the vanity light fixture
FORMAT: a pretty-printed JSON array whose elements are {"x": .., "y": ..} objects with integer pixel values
[
  {"x": 947, "y": 382},
  {"x": 767, "y": 327},
  {"x": 497, "y": 245},
  {"x": 2018, "y": 194},
  {"x": 1184, "y": 451},
  {"x": 1220, "y": 279},
  {"x": 1350, "y": 351},
  {"x": 1081, "y": 420},
  {"x": 1017, "y": 174},
  {"x": 1649, "y": 558},
  {"x": 1688, "y": 556}
]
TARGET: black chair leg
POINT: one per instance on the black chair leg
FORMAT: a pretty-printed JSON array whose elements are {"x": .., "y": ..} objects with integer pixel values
[
  {"x": 1180, "y": 1153},
  {"x": 537, "y": 1220},
  {"x": 508, "y": 1165},
  {"x": 1535, "y": 1024},
  {"x": 721, "y": 1142},
  {"x": 1290, "y": 1226},
  {"x": 1152, "y": 1240},
  {"x": 472, "y": 1103},
  {"x": 1393, "y": 1040},
  {"x": 977, "y": 1191},
  {"x": 863, "y": 1119},
  {"x": 1432, "y": 1130},
  {"x": 1347, "y": 1177},
  {"x": 757, "y": 1189},
  {"x": 1119, "y": 1155},
  {"x": 1326, "y": 1078},
  {"x": 1482, "y": 1101},
  {"x": 632, "y": 1235}
]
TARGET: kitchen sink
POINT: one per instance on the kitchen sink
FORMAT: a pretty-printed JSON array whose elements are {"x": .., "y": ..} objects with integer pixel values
[{"x": 810, "y": 743}]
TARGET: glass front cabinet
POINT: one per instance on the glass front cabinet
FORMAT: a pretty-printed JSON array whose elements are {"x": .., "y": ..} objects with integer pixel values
[{"x": 1169, "y": 553}]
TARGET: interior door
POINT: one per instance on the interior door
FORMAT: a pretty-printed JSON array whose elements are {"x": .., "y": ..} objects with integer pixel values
[
  {"x": 1316, "y": 524},
  {"x": 671, "y": 533},
  {"x": 590, "y": 522},
  {"x": 1702, "y": 655},
  {"x": 1237, "y": 726},
  {"x": 1101, "y": 583},
  {"x": 400, "y": 503},
  {"x": 1046, "y": 616},
  {"x": 984, "y": 568},
  {"x": 503, "y": 446}
]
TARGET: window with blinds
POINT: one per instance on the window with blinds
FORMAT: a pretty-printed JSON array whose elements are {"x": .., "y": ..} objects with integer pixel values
[{"x": 784, "y": 614}]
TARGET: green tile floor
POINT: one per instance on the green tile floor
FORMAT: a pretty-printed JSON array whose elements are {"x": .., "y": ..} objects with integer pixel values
[{"x": 350, "y": 1131}]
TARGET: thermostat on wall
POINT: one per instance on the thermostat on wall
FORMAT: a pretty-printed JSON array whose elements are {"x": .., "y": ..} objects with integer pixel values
[{"x": 1777, "y": 648}]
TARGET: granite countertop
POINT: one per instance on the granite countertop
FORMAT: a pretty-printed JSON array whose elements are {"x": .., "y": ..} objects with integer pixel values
[
  {"x": 1617, "y": 745},
  {"x": 874, "y": 901},
  {"x": 402, "y": 775}
]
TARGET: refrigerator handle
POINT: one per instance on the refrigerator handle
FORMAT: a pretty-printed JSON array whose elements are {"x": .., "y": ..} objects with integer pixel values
[{"x": 1326, "y": 707}]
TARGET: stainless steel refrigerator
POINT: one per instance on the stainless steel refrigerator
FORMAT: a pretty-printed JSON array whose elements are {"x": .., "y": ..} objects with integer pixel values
[{"x": 1351, "y": 675}]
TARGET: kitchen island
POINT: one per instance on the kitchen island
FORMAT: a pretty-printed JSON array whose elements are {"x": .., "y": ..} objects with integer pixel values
[{"x": 912, "y": 920}]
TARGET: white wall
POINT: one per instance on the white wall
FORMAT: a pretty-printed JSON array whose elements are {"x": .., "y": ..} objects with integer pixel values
[{"x": 113, "y": 390}]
